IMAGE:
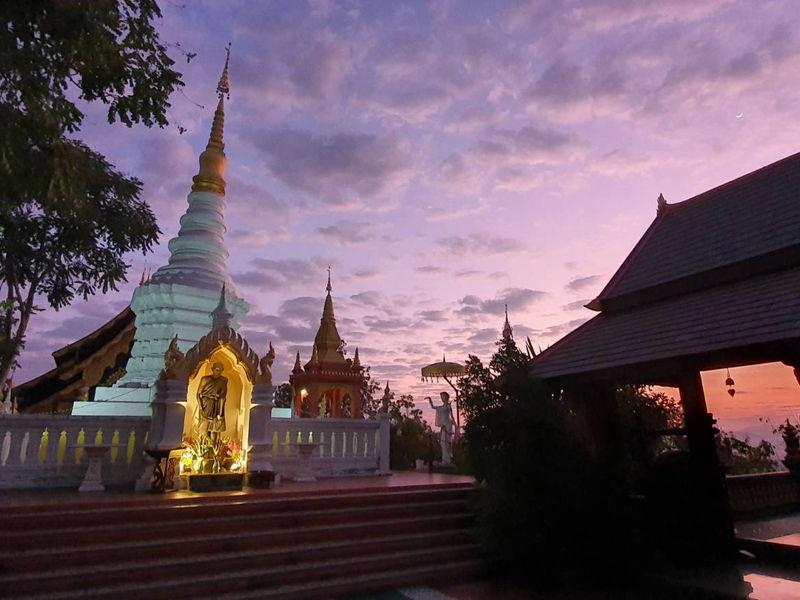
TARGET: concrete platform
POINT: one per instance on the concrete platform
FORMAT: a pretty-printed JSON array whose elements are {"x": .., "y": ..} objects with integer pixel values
[{"x": 10, "y": 499}]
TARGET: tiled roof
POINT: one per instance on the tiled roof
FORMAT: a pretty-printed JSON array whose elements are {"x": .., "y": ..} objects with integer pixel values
[
  {"x": 750, "y": 216},
  {"x": 736, "y": 315}
]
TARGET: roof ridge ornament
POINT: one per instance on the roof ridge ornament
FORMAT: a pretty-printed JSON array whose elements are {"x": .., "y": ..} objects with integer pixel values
[{"x": 662, "y": 205}]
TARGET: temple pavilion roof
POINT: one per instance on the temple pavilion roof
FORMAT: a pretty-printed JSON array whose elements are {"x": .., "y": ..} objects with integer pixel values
[
  {"x": 712, "y": 282},
  {"x": 83, "y": 363}
]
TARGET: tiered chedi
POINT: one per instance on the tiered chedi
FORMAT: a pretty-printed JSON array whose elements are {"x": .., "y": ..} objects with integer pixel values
[{"x": 179, "y": 297}]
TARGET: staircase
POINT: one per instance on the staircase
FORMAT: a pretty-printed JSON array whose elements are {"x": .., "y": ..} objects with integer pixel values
[{"x": 282, "y": 545}]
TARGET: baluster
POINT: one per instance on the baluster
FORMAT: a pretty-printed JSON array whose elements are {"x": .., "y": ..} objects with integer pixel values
[
  {"x": 114, "y": 446},
  {"x": 333, "y": 444},
  {"x": 322, "y": 444},
  {"x": 275, "y": 448},
  {"x": 18, "y": 439},
  {"x": 130, "y": 447},
  {"x": 44, "y": 444},
  {"x": 287, "y": 442},
  {"x": 365, "y": 444},
  {"x": 5, "y": 449},
  {"x": 80, "y": 440},
  {"x": 23, "y": 448},
  {"x": 98, "y": 437}
]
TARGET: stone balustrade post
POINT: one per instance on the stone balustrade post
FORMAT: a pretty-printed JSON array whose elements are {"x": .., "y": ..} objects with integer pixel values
[
  {"x": 384, "y": 433},
  {"x": 259, "y": 460}
]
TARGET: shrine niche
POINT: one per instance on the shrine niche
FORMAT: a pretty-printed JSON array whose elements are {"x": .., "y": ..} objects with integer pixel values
[{"x": 206, "y": 398}]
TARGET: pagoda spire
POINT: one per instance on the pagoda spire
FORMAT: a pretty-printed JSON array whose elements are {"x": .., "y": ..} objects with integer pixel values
[
  {"x": 213, "y": 160},
  {"x": 327, "y": 342},
  {"x": 508, "y": 333},
  {"x": 297, "y": 367},
  {"x": 221, "y": 316},
  {"x": 198, "y": 253}
]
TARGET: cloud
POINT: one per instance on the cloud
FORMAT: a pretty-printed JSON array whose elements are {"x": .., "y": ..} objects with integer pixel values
[
  {"x": 341, "y": 169},
  {"x": 577, "y": 305},
  {"x": 563, "y": 328},
  {"x": 320, "y": 66},
  {"x": 369, "y": 298},
  {"x": 430, "y": 270},
  {"x": 516, "y": 298},
  {"x": 581, "y": 283},
  {"x": 346, "y": 232},
  {"x": 619, "y": 163},
  {"x": 277, "y": 274},
  {"x": 374, "y": 323},
  {"x": 434, "y": 316},
  {"x": 476, "y": 243}
]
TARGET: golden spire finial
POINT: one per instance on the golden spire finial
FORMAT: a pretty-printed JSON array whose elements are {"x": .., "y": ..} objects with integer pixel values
[
  {"x": 328, "y": 287},
  {"x": 212, "y": 160}
]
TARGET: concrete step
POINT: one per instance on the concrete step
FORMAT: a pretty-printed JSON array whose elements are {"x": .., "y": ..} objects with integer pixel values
[
  {"x": 266, "y": 579},
  {"x": 76, "y": 502},
  {"x": 46, "y": 516},
  {"x": 142, "y": 568},
  {"x": 44, "y": 557},
  {"x": 72, "y": 536}
]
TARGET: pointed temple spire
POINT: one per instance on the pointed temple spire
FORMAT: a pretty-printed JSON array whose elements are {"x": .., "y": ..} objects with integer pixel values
[
  {"x": 213, "y": 160},
  {"x": 297, "y": 367},
  {"x": 356, "y": 360},
  {"x": 221, "y": 316},
  {"x": 508, "y": 333},
  {"x": 327, "y": 342},
  {"x": 198, "y": 253}
]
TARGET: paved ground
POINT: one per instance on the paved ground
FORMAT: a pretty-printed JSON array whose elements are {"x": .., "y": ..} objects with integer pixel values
[{"x": 784, "y": 529}]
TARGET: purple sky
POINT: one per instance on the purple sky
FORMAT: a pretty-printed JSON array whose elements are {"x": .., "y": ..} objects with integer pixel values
[{"x": 448, "y": 157}]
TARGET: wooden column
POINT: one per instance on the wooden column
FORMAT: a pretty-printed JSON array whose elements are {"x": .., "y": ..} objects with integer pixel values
[{"x": 712, "y": 508}]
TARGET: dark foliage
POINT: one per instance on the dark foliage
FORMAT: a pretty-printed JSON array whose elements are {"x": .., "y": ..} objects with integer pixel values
[
  {"x": 68, "y": 216},
  {"x": 284, "y": 396},
  {"x": 551, "y": 508}
]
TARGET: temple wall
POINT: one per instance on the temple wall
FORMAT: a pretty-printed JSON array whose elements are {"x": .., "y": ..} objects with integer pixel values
[{"x": 44, "y": 451}]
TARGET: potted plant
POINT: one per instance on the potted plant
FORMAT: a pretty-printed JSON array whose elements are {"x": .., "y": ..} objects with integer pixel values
[{"x": 790, "y": 432}]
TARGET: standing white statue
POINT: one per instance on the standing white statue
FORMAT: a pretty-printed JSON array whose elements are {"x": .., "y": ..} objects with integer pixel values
[
  {"x": 8, "y": 406},
  {"x": 446, "y": 425}
]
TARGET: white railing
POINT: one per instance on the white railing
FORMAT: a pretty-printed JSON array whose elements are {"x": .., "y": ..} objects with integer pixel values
[
  {"x": 45, "y": 451},
  {"x": 345, "y": 446}
]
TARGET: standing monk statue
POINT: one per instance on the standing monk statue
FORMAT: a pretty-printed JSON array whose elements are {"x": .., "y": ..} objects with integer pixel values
[
  {"x": 211, "y": 395},
  {"x": 446, "y": 425}
]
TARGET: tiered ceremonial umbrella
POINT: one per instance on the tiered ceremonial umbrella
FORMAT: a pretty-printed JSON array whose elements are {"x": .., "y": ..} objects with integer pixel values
[{"x": 447, "y": 371}]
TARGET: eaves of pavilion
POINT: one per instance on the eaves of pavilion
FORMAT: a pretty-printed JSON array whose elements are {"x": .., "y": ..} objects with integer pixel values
[{"x": 713, "y": 282}]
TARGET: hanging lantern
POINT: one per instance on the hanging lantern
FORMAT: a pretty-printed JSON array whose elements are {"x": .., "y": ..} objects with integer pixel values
[{"x": 729, "y": 381}]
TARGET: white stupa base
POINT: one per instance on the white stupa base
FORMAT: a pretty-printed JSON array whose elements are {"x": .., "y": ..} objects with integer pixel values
[
  {"x": 164, "y": 310},
  {"x": 117, "y": 402}
]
